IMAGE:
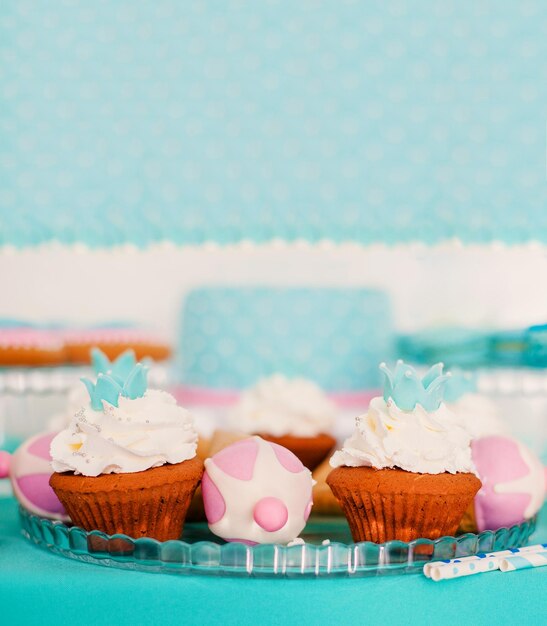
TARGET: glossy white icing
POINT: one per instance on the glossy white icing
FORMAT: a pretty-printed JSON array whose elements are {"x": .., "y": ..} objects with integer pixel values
[{"x": 269, "y": 480}]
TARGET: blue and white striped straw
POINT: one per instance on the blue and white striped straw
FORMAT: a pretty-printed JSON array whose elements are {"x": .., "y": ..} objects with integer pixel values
[{"x": 523, "y": 561}]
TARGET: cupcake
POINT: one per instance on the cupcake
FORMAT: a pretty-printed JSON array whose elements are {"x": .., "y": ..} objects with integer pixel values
[
  {"x": 406, "y": 472},
  {"x": 127, "y": 462},
  {"x": 294, "y": 413}
]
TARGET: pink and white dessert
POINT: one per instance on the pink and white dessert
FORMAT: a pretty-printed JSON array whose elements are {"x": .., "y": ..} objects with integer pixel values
[
  {"x": 255, "y": 491},
  {"x": 513, "y": 482},
  {"x": 30, "y": 347},
  {"x": 29, "y": 469}
]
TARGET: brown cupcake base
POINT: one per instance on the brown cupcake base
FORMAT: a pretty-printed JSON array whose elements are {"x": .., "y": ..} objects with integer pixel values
[
  {"x": 386, "y": 504},
  {"x": 152, "y": 503},
  {"x": 16, "y": 356},
  {"x": 310, "y": 450}
]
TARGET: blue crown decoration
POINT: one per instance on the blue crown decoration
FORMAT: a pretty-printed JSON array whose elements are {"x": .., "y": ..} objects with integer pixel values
[
  {"x": 459, "y": 384},
  {"x": 108, "y": 388},
  {"x": 404, "y": 386},
  {"x": 136, "y": 383},
  {"x": 119, "y": 368}
]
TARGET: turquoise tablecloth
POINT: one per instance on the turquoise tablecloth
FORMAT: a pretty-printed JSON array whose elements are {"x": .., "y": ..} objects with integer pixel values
[{"x": 40, "y": 588}]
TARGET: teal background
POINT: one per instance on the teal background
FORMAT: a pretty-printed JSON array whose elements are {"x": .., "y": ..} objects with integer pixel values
[
  {"x": 37, "y": 587},
  {"x": 222, "y": 120}
]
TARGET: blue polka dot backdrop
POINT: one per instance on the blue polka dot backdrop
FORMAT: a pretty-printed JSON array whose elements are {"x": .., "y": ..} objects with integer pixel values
[
  {"x": 124, "y": 121},
  {"x": 232, "y": 336}
]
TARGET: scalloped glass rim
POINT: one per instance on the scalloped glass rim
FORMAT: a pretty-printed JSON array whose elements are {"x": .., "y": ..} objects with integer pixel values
[{"x": 268, "y": 560}]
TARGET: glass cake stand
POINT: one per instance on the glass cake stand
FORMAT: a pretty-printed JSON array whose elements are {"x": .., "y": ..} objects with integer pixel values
[{"x": 326, "y": 550}]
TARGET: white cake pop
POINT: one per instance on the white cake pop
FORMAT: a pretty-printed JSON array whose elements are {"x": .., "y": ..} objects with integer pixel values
[{"x": 256, "y": 491}]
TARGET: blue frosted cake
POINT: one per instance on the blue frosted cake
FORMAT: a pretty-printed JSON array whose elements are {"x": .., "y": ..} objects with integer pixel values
[{"x": 230, "y": 337}]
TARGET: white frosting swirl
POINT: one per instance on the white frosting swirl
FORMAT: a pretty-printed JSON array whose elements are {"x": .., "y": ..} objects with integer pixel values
[
  {"x": 478, "y": 414},
  {"x": 415, "y": 441},
  {"x": 135, "y": 436},
  {"x": 282, "y": 406}
]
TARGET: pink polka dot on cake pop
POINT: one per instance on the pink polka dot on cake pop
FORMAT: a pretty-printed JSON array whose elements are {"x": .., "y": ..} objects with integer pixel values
[
  {"x": 270, "y": 514},
  {"x": 213, "y": 502},
  {"x": 41, "y": 446},
  {"x": 4, "y": 463},
  {"x": 287, "y": 459},
  {"x": 487, "y": 452},
  {"x": 36, "y": 489},
  {"x": 238, "y": 460},
  {"x": 502, "y": 501}
]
